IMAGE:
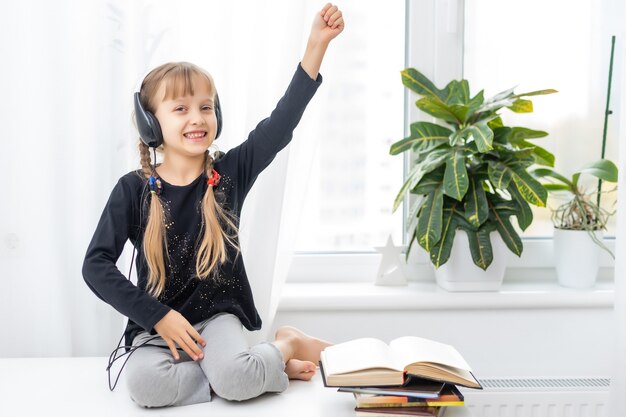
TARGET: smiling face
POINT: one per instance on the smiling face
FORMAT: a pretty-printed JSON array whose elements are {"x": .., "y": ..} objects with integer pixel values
[{"x": 186, "y": 114}]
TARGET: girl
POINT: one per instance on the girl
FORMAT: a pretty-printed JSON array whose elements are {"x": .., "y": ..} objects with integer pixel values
[{"x": 192, "y": 288}]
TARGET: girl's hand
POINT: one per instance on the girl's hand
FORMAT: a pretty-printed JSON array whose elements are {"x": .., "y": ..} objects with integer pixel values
[
  {"x": 175, "y": 329},
  {"x": 327, "y": 24}
]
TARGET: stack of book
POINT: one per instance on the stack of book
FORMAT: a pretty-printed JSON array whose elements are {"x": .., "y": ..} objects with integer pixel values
[
  {"x": 420, "y": 397},
  {"x": 411, "y": 376}
]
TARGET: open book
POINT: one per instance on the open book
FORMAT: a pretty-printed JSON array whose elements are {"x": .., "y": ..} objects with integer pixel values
[{"x": 371, "y": 362}]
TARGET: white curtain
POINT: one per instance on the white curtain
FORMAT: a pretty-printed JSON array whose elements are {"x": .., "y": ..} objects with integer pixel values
[
  {"x": 64, "y": 142},
  {"x": 69, "y": 70}
]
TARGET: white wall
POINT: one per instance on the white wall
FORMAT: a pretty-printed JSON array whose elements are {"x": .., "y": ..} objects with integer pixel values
[{"x": 496, "y": 342}]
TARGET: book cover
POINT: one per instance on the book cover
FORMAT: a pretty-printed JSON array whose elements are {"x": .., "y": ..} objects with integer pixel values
[
  {"x": 450, "y": 396},
  {"x": 400, "y": 412}
]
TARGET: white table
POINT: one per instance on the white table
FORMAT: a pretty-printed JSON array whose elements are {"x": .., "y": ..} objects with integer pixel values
[{"x": 79, "y": 387}]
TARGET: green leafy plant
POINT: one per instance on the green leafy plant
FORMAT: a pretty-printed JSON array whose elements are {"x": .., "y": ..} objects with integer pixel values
[
  {"x": 580, "y": 212},
  {"x": 470, "y": 171}
]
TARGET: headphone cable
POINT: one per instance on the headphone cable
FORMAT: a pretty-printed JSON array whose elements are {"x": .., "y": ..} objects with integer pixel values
[{"x": 131, "y": 349}]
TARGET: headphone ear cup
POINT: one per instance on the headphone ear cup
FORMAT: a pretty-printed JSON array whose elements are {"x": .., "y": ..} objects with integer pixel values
[
  {"x": 155, "y": 128},
  {"x": 218, "y": 115},
  {"x": 147, "y": 125}
]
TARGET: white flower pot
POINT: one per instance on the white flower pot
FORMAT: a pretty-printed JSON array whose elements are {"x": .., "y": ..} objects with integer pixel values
[
  {"x": 461, "y": 274},
  {"x": 577, "y": 258}
]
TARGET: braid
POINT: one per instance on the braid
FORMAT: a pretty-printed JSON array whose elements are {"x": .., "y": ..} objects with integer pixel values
[
  {"x": 144, "y": 153},
  {"x": 212, "y": 250},
  {"x": 208, "y": 163},
  {"x": 155, "y": 239}
]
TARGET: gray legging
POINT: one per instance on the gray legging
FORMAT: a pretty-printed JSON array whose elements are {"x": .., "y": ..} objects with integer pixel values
[{"x": 231, "y": 369}]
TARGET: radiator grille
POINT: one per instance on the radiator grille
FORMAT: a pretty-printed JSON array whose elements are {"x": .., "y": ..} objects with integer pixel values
[{"x": 546, "y": 383}]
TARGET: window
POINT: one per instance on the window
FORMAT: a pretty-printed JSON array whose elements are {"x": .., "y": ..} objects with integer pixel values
[
  {"x": 533, "y": 45},
  {"x": 354, "y": 179}
]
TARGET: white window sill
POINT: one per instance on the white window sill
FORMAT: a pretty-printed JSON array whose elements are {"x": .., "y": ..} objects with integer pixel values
[
  {"x": 535, "y": 264},
  {"x": 428, "y": 296}
]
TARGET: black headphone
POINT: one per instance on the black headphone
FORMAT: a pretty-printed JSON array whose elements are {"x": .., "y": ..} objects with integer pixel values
[{"x": 148, "y": 125}]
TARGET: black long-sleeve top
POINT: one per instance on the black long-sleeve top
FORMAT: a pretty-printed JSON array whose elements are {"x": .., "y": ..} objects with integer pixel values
[{"x": 195, "y": 299}]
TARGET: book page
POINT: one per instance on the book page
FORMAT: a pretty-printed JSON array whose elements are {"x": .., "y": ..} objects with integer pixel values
[
  {"x": 411, "y": 349},
  {"x": 364, "y": 353}
]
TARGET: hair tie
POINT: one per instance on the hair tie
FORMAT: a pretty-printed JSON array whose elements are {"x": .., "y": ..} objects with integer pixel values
[
  {"x": 155, "y": 185},
  {"x": 215, "y": 179}
]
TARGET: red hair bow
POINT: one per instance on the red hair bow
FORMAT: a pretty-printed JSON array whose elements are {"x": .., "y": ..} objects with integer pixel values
[{"x": 215, "y": 178}]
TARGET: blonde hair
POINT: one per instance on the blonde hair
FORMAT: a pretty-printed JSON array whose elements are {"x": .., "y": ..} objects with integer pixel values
[{"x": 219, "y": 227}]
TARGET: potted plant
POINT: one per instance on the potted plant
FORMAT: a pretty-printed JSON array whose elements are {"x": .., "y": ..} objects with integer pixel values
[
  {"x": 469, "y": 173},
  {"x": 579, "y": 223}
]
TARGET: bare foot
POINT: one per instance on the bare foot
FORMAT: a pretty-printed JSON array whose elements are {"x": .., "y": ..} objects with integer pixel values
[
  {"x": 305, "y": 347},
  {"x": 303, "y": 370}
]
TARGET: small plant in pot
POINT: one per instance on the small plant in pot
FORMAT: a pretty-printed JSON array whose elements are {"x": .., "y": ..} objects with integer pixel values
[
  {"x": 469, "y": 173},
  {"x": 579, "y": 223}
]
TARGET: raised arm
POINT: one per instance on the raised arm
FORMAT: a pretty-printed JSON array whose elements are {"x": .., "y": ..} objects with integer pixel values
[
  {"x": 246, "y": 161},
  {"x": 327, "y": 24}
]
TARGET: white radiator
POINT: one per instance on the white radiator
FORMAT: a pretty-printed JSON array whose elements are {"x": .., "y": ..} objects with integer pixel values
[{"x": 540, "y": 397}]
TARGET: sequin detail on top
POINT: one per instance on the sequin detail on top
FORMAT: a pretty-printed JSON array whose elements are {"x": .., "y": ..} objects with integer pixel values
[
  {"x": 180, "y": 268},
  {"x": 224, "y": 188},
  {"x": 218, "y": 291},
  {"x": 182, "y": 282},
  {"x": 225, "y": 184}
]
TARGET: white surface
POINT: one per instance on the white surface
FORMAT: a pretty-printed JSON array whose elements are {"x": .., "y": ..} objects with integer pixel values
[
  {"x": 428, "y": 296},
  {"x": 79, "y": 387}
]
